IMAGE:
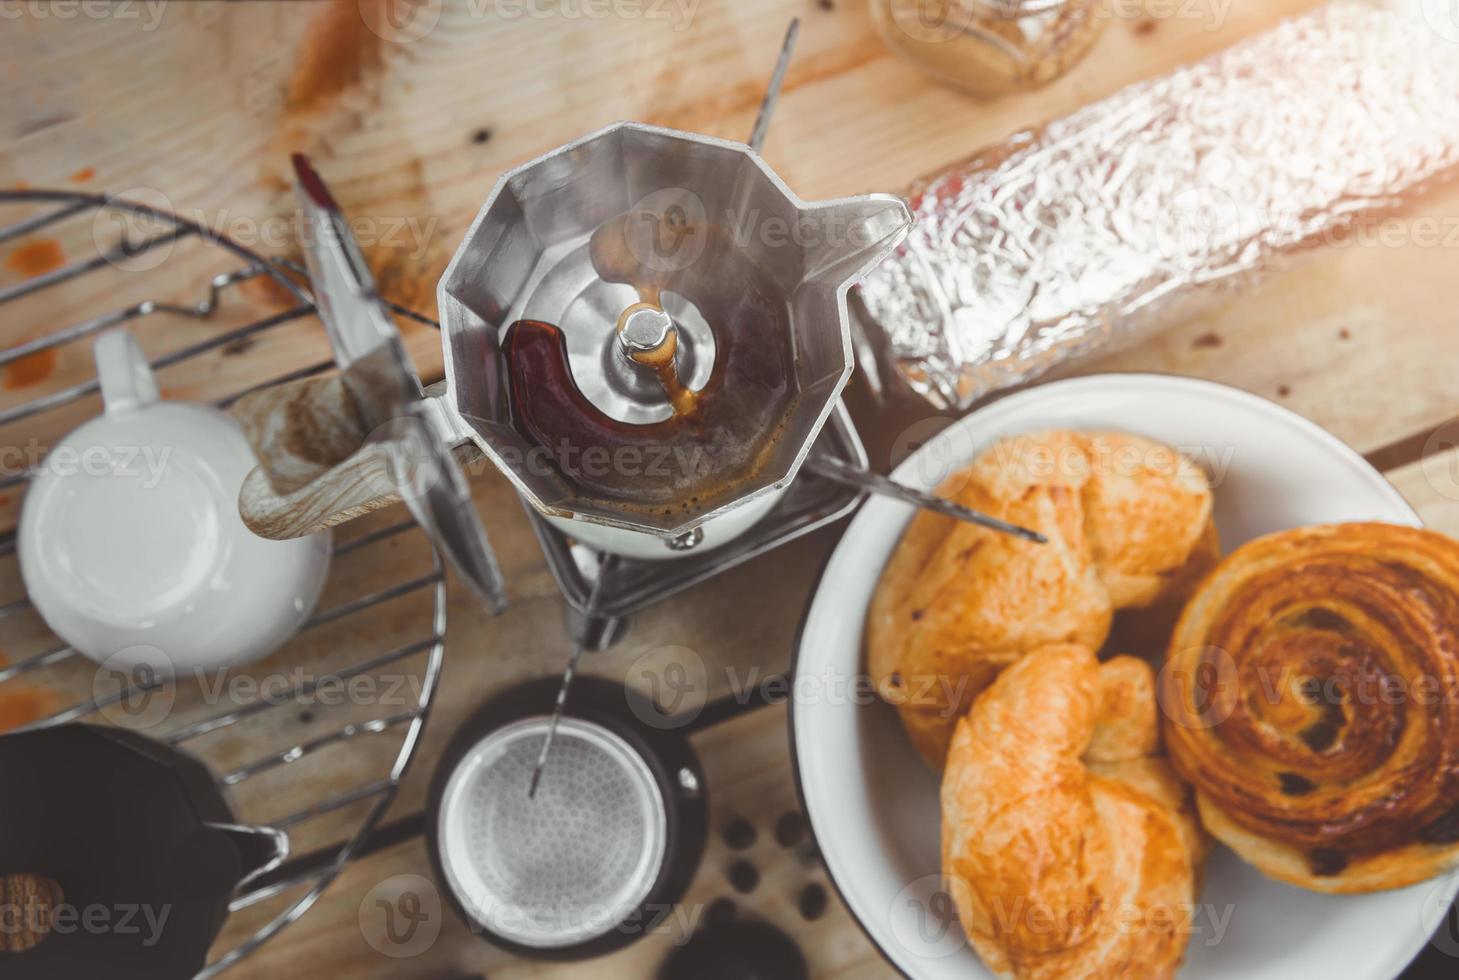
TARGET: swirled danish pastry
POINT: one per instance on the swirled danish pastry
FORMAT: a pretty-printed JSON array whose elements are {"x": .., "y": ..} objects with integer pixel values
[{"x": 1311, "y": 695}]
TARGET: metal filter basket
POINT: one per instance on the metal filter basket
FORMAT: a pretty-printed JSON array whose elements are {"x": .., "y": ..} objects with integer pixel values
[{"x": 608, "y": 844}]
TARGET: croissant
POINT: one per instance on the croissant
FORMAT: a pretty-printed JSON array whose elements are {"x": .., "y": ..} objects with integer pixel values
[
  {"x": 1128, "y": 523},
  {"x": 1312, "y": 698},
  {"x": 1068, "y": 845}
]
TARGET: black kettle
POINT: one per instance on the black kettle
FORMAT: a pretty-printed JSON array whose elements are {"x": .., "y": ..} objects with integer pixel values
[{"x": 118, "y": 856}]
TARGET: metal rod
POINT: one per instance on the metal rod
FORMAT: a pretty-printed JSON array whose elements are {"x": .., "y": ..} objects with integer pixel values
[
  {"x": 372, "y": 727},
  {"x": 83, "y": 708},
  {"x": 35, "y": 284},
  {"x": 365, "y": 602},
  {"x": 335, "y": 803},
  {"x": 40, "y": 221},
  {"x": 74, "y": 332},
  {"x": 410, "y": 314},
  {"x": 71, "y": 394},
  {"x": 305, "y": 372},
  {"x": 228, "y": 718},
  {"x": 35, "y": 663},
  {"x": 579, "y": 643},
  {"x": 365, "y": 540},
  {"x": 201, "y": 310},
  {"x": 271, "y": 890},
  {"x": 834, "y": 469},
  {"x": 772, "y": 94},
  {"x": 13, "y": 607},
  {"x": 15, "y": 479}
]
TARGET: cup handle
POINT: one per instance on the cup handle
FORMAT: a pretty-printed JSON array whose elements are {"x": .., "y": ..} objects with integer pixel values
[{"x": 126, "y": 380}]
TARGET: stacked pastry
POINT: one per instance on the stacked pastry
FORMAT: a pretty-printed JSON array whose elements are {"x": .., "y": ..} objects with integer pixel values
[
  {"x": 1074, "y": 848},
  {"x": 1310, "y": 696},
  {"x": 1129, "y": 525},
  {"x": 1056, "y": 805}
]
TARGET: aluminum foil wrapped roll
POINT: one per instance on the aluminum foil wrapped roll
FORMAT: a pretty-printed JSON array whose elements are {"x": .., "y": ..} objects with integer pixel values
[{"x": 1124, "y": 217}]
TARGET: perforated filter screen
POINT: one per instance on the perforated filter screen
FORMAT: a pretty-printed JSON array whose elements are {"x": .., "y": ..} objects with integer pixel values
[{"x": 568, "y": 865}]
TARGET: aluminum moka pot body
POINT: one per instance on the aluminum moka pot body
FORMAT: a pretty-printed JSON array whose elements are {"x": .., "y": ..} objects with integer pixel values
[{"x": 526, "y": 257}]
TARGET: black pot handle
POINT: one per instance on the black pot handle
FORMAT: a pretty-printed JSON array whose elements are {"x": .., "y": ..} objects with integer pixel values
[{"x": 262, "y": 849}]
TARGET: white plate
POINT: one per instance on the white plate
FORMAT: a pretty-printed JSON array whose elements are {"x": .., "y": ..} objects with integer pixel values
[{"x": 873, "y": 804}]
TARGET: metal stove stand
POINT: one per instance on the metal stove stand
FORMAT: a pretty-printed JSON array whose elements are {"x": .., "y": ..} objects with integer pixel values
[{"x": 51, "y": 210}]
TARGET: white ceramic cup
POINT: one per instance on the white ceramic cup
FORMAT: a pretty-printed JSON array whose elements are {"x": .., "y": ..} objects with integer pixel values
[{"x": 130, "y": 542}]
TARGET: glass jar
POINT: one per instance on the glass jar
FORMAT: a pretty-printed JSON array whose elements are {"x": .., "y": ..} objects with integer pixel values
[{"x": 990, "y": 47}]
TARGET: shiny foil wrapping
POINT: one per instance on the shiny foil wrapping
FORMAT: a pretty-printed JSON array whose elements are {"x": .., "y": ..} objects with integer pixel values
[{"x": 1125, "y": 217}]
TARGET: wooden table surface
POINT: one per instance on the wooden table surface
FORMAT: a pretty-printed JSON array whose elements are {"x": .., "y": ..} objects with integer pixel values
[{"x": 196, "y": 106}]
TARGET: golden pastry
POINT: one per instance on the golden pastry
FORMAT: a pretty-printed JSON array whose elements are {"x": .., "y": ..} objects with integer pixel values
[
  {"x": 1070, "y": 847},
  {"x": 1311, "y": 695},
  {"x": 1128, "y": 522}
]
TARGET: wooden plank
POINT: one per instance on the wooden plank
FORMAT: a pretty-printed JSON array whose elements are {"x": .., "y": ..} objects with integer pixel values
[
  {"x": 1331, "y": 337},
  {"x": 1431, "y": 485}
]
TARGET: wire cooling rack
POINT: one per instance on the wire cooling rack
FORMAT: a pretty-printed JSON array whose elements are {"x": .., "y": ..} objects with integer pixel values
[{"x": 395, "y": 626}]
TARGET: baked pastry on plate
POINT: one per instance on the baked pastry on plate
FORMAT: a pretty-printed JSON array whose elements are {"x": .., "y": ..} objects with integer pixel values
[
  {"x": 1129, "y": 525},
  {"x": 1069, "y": 846},
  {"x": 1311, "y": 695}
]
